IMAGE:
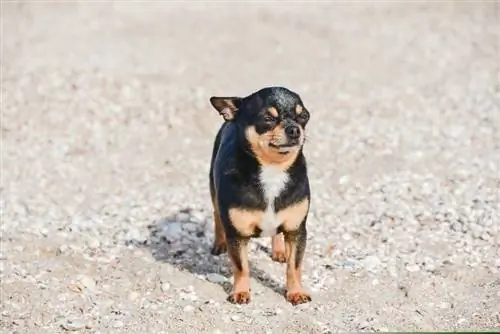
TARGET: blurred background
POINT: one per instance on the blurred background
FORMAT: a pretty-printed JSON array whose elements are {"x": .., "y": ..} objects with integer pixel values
[{"x": 107, "y": 129}]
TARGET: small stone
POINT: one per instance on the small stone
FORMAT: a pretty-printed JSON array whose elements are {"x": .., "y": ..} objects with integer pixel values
[
  {"x": 429, "y": 264},
  {"x": 93, "y": 243},
  {"x": 412, "y": 268},
  {"x": 44, "y": 232},
  {"x": 117, "y": 324},
  {"x": 73, "y": 324},
  {"x": 371, "y": 263},
  {"x": 462, "y": 321},
  {"x": 235, "y": 317},
  {"x": 216, "y": 278},
  {"x": 188, "y": 308},
  {"x": 133, "y": 295},
  {"x": 477, "y": 230},
  {"x": 346, "y": 236},
  {"x": 88, "y": 282},
  {"x": 165, "y": 287},
  {"x": 444, "y": 305},
  {"x": 457, "y": 227},
  {"x": 485, "y": 236},
  {"x": 497, "y": 263},
  {"x": 375, "y": 282},
  {"x": 344, "y": 180},
  {"x": 62, "y": 249}
]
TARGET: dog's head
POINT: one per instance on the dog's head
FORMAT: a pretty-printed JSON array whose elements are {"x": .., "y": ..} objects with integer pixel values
[{"x": 274, "y": 121}]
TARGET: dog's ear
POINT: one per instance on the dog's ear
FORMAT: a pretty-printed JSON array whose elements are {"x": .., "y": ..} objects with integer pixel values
[{"x": 226, "y": 106}]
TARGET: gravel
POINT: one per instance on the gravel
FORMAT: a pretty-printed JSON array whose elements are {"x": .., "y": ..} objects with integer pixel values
[{"x": 106, "y": 139}]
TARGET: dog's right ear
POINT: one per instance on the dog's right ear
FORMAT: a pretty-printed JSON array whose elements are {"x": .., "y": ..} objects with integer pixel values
[{"x": 226, "y": 106}]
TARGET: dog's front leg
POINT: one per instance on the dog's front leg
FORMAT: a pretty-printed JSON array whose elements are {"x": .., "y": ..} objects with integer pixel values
[
  {"x": 238, "y": 253},
  {"x": 295, "y": 245}
]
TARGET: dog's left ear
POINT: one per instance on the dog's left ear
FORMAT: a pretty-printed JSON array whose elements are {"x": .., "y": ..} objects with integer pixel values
[{"x": 226, "y": 106}]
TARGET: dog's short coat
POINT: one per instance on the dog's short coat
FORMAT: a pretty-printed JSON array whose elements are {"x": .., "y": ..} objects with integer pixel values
[{"x": 259, "y": 184}]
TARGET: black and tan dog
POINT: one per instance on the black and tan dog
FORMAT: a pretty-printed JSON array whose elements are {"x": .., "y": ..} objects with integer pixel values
[{"x": 259, "y": 184}]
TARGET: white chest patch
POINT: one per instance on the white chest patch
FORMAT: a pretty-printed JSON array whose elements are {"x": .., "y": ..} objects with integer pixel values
[{"x": 273, "y": 182}]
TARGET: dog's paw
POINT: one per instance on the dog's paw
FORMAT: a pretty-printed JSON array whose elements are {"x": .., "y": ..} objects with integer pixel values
[
  {"x": 278, "y": 257},
  {"x": 239, "y": 297},
  {"x": 298, "y": 297},
  {"x": 218, "y": 249}
]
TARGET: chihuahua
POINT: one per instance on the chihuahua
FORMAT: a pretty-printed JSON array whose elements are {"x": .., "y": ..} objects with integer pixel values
[{"x": 259, "y": 184}]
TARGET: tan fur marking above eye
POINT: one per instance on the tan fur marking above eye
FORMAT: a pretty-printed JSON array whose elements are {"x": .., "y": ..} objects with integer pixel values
[
  {"x": 265, "y": 154},
  {"x": 298, "y": 109},
  {"x": 273, "y": 111},
  {"x": 293, "y": 215},
  {"x": 245, "y": 221}
]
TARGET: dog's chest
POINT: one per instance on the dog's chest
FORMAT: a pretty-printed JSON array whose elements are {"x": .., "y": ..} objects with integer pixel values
[{"x": 273, "y": 181}]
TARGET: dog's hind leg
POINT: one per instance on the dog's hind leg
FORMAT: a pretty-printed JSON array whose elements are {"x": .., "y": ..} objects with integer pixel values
[
  {"x": 219, "y": 245},
  {"x": 278, "y": 248}
]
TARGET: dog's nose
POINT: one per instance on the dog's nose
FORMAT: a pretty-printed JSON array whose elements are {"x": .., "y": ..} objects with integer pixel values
[{"x": 293, "y": 131}]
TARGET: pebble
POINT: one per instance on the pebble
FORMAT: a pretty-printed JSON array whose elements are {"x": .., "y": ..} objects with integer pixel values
[
  {"x": 165, "y": 287},
  {"x": 188, "y": 296},
  {"x": 235, "y": 317},
  {"x": 344, "y": 180},
  {"x": 371, "y": 263},
  {"x": 476, "y": 230},
  {"x": 457, "y": 227},
  {"x": 117, "y": 324},
  {"x": 133, "y": 295},
  {"x": 88, "y": 282},
  {"x": 93, "y": 243},
  {"x": 188, "y": 308},
  {"x": 444, "y": 305},
  {"x": 412, "y": 268},
  {"x": 62, "y": 249},
  {"x": 216, "y": 278},
  {"x": 73, "y": 324},
  {"x": 346, "y": 237}
]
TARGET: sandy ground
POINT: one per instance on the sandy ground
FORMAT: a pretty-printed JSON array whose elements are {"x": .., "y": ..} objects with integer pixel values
[{"x": 106, "y": 137}]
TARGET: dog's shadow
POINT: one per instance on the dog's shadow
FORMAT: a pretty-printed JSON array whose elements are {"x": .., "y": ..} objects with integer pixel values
[{"x": 184, "y": 239}]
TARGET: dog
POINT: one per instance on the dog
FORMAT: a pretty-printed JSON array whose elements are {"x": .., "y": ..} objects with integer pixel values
[{"x": 259, "y": 184}]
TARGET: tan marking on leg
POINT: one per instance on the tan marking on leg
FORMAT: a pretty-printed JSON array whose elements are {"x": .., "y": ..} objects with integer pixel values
[
  {"x": 245, "y": 221},
  {"x": 295, "y": 293},
  {"x": 278, "y": 248},
  {"x": 293, "y": 215},
  {"x": 241, "y": 285}
]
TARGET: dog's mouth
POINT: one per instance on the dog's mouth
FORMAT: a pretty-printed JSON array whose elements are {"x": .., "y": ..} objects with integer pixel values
[{"x": 286, "y": 148}]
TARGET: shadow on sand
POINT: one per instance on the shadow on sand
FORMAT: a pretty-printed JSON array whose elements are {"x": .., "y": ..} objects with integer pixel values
[{"x": 184, "y": 240}]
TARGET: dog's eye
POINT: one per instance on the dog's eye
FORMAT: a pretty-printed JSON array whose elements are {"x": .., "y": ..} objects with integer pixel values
[
  {"x": 303, "y": 116},
  {"x": 268, "y": 119}
]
